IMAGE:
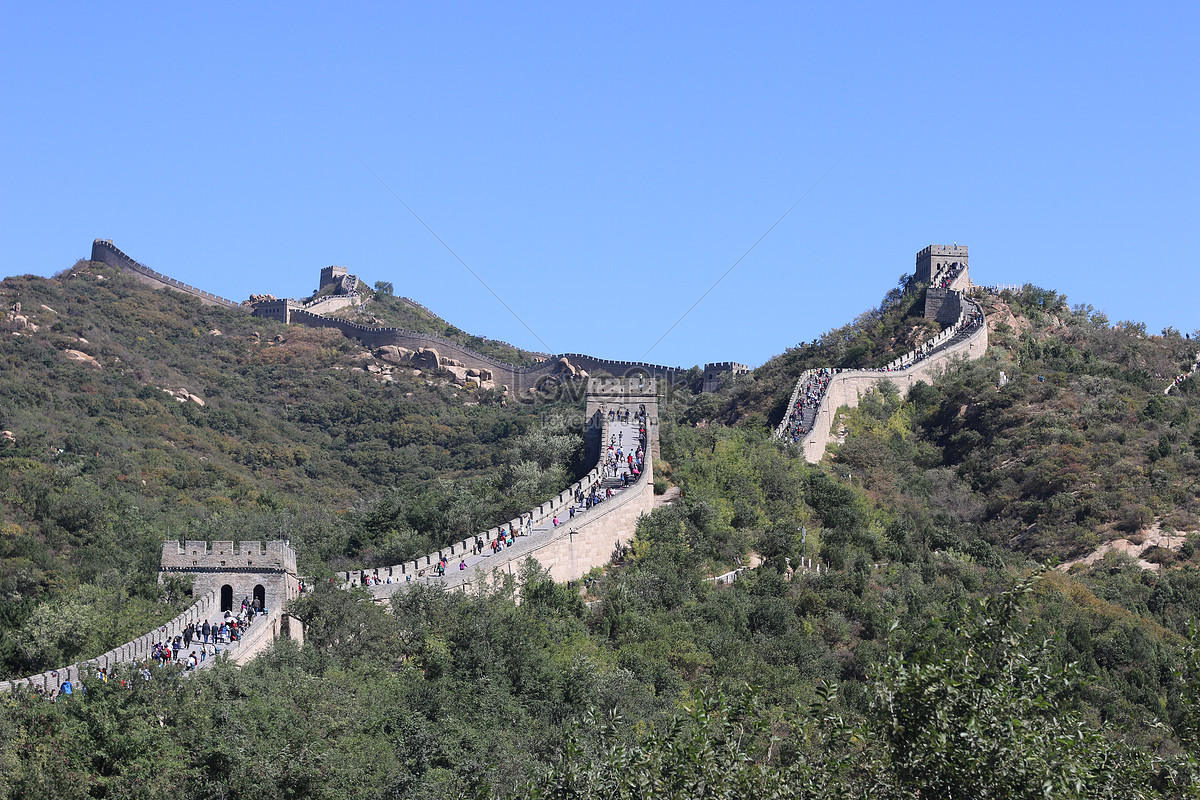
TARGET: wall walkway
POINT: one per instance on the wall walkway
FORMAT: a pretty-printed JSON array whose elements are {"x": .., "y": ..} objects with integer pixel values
[
  {"x": 140, "y": 649},
  {"x": 811, "y": 427},
  {"x": 579, "y": 542},
  {"x": 104, "y": 252}
]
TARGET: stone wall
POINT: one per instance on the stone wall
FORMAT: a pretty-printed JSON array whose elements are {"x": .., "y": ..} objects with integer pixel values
[
  {"x": 518, "y": 379},
  {"x": 578, "y": 544},
  {"x": 568, "y": 552},
  {"x": 104, "y": 252},
  {"x": 139, "y": 649},
  {"x": 289, "y": 312},
  {"x": 845, "y": 388},
  {"x": 334, "y": 302},
  {"x": 943, "y": 305}
]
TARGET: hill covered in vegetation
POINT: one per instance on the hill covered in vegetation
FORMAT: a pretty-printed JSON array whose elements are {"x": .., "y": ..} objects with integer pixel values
[
  {"x": 134, "y": 416},
  {"x": 932, "y": 651},
  {"x": 386, "y": 309}
]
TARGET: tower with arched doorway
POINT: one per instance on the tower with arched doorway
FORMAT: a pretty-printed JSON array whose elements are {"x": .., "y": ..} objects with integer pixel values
[{"x": 236, "y": 571}]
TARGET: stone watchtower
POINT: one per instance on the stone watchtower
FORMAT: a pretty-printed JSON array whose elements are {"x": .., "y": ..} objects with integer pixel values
[
  {"x": 943, "y": 268},
  {"x": 714, "y": 372},
  {"x": 939, "y": 258},
  {"x": 235, "y": 570},
  {"x": 332, "y": 275}
]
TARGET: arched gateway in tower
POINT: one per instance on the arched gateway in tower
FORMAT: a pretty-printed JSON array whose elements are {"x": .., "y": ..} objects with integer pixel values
[{"x": 236, "y": 571}]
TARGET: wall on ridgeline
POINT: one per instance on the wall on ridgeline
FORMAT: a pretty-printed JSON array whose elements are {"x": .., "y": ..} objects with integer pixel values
[
  {"x": 568, "y": 552},
  {"x": 845, "y": 388},
  {"x": 104, "y": 252},
  {"x": 578, "y": 544},
  {"x": 945, "y": 266},
  {"x": 518, "y": 379}
]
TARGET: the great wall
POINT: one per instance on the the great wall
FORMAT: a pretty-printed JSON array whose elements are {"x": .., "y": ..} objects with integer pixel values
[
  {"x": 581, "y": 539},
  {"x": 566, "y": 537},
  {"x": 423, "y": 348},
  {"x": 565, "y": 543},
  {"x": 223, "y": 573},
  {"x": 808, "y": 419}
]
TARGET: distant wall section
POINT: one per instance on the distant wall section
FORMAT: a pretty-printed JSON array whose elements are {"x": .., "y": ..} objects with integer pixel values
[{"x": 104, "y": 252}]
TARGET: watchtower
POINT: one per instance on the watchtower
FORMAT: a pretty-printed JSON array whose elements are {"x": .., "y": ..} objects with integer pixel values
[
  {"x": 236, "y": 570},
  {"x": 715, "y": 371},
  {"x": 943, "y": 269},
  {"x": 940, "y": 258},
  {"x": 332, "y": 275}
]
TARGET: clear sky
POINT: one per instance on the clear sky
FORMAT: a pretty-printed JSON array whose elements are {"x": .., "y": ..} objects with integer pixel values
[{"x": 600, "y": 165}]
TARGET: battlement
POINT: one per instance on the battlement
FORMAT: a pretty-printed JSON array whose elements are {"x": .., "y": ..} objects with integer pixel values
[
  {"x": 955, "y": 250},
  {"x": 197, "y": 556},
  {"x": 104, "y": 251}
]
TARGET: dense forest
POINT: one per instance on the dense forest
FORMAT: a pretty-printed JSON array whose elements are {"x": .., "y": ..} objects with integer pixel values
[{"x": 951, "y": 641}]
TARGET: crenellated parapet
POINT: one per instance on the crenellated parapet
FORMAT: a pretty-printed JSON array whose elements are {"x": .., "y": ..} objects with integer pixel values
[
  {"x": 195, "y": 556},
  {"x": 566, "y": 544},
  {"x": 105, "y": 252}
]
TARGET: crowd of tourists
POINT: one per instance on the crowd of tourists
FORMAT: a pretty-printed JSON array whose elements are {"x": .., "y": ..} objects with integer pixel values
[
  {"x": 812, "y": 392},
  {"x": 945, "y": 280}
]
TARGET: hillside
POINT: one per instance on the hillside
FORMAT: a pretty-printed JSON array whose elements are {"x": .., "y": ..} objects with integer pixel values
[
  {"x": 133, "y": 415},
  {"x": 385, "y": 309},
  {"x": 1078, "y": 446},
  {"x": 930, "y": 649}
]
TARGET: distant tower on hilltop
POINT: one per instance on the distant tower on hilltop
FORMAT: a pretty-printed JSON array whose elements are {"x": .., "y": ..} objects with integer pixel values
[
  {"x": 332, "y": 275},
  {"x": 943, "y": 269},
  {"x": 713, "y": 373},
  {"x": 938, "y": 258}
]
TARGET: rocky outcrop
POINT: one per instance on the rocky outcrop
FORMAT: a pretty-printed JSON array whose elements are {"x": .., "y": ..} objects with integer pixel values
[{"x": 82, "y": 358}]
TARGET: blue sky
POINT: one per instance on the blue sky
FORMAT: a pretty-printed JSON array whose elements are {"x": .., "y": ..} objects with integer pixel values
[{"x": 601, "y": 165}]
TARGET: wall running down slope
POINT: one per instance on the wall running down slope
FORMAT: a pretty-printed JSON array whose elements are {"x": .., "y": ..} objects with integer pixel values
[
  {"x": 568, "y": 551},
  {"x": 140, "y": 649},
  {"x": 105, "y": 252},
  {"x": 966, "y": 338}
]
